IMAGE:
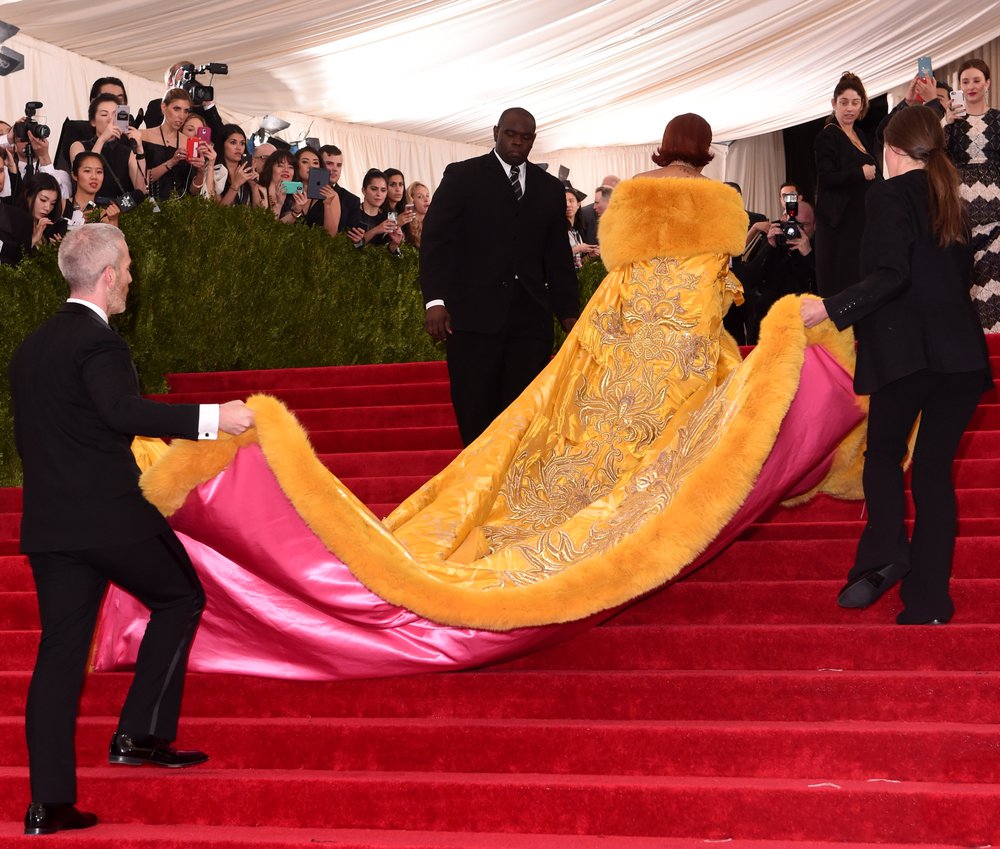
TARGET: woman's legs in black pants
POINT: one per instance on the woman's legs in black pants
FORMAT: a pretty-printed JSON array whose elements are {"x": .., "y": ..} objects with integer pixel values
[{"x": 945, "y": 403}]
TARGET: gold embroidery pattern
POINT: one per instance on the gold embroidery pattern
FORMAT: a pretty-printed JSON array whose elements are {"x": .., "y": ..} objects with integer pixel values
[{"x": 650, "y": 352}]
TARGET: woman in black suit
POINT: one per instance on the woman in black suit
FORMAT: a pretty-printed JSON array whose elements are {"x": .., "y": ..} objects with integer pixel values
[
  {"x": 845, "y": 169},
  {"x": 921, "y": 352}
]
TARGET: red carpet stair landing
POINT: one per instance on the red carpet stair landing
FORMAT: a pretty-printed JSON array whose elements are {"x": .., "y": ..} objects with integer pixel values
[{"x": 740, "y": 707}]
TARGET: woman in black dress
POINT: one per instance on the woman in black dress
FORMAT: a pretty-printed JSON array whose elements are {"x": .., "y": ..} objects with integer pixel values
[
  {"x": 921, "y": 352},
  {"x": 845, "y": 170},
  {"x": 163, "y": 150},
  {"x": 123, "y": 172}
]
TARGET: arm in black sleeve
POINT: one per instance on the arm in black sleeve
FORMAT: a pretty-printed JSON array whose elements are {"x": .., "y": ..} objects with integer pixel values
[
  {"x": 560, "y": 273},
  {"x": 439, "y": 249},
  {"x": 886, "y": 249},
  {"x": 830, "y": 171}
]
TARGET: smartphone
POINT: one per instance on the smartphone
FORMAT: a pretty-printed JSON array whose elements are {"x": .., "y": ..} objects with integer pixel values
[
  {"x": 958, "y": 99},
  {"x": 193, "y": 147},
  {"x": 203, "y": 134},
  {"x": 408, "y": 208},
  {"x": 318, "y": 178},
  {"x": 290, "y": 187},
  {"x": 56, "y": 228},
  {"x": 121, "y": 118},
  {"x": 924, "y": 67}
]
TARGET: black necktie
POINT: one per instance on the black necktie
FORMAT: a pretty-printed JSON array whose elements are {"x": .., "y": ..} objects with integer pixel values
[{"x": 515, "y": 181}]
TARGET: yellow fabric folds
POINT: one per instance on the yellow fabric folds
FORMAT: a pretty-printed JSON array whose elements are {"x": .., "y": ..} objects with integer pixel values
[{"x": 617, "y": 466}]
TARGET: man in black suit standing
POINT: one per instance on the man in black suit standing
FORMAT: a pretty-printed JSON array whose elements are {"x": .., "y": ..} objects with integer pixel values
[
  {"x": 495, "y": 264},
  {"x": 85, "y": 523},
  {"x": 332, "y": 158}
]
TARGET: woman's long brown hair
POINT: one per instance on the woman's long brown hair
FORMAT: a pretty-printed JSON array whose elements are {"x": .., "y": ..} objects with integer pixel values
[{"x": 917, "y": 132}]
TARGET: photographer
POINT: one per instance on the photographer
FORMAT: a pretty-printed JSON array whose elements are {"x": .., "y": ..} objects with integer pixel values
[
  {"x": 123, "y": 173},
  {"x": 780, "y": 264},
  {"x": 181, "y": 75},
  {"x": 31, "y": 153}
]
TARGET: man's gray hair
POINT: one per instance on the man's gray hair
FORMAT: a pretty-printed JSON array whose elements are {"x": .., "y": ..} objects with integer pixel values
[
  {"x": 604, "y": 192},
  {"x": 84, "y": 253}
]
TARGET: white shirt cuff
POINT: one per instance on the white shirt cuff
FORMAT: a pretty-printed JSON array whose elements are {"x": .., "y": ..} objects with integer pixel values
[
  {"x": 208, "y": 421},
  {"x": 437, "y": 302}
]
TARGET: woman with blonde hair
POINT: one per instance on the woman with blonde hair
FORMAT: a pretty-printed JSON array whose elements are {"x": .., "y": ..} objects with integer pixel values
[
  {"x": 418, "y": 197},
  {"x": 921, "y": 353}
]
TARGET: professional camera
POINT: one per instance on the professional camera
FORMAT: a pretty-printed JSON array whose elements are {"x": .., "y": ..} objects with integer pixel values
[
  {"x": 200, "y": 93},
  {"x": 790, "y": 229},
  {"x": 22, "y": 128}
]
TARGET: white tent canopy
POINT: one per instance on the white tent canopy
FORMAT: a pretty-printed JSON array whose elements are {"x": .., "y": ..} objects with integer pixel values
[{"x": 595, "y": 73}]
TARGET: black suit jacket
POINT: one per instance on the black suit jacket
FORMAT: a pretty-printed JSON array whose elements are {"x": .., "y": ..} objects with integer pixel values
[
  {"x": 350, "y": 209},
  {"x": 839, "y": 176},
  {"x": 912, "y": 309},
  {"x": 479, "y": 242},
  {"x": 588, "y": 224},
  {"x": 76, "y": 409}
]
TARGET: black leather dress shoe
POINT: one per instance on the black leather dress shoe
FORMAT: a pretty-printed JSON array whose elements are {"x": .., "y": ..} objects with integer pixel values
[
  {"x": 865, "y": 590},
  {"x": 151, "y": 750},
  {"x": 48, "y": 819}
]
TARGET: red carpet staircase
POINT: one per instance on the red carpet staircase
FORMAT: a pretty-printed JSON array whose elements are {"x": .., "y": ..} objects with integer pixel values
[{"x": 739, "y": 707}]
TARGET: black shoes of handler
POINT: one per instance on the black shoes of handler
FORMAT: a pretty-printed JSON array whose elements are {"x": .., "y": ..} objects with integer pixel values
[
  {"x": 151, "y": 750},
  {"x": 48, "y": 819},
  {"x": 868, "y": 588}
]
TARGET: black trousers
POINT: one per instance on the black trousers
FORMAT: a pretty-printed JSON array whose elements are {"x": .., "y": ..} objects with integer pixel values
[
  {"x": 70, "y": 588},
  {"x": 945, "y": 404},
  {"x": 489, "y": 370}
]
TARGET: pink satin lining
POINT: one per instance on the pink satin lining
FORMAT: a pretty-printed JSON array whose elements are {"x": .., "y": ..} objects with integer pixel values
[{"x": 280, "y": 605}]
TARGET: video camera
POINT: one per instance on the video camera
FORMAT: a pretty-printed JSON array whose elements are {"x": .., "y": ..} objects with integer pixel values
[
  {"x": 790, "y": 229},
  {"x": 22, "y": 128},
  {"x": 200, "y": 93}
]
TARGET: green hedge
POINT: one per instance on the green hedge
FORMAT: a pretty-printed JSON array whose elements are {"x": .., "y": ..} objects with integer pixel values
[{"x": 219, "y": 288}]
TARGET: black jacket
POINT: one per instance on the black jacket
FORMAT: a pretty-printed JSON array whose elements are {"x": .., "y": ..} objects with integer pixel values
[
  {"x": 479, "y": 242},
  {"x": 912, "y": 309},
  {"x": 76, "y": 409}
]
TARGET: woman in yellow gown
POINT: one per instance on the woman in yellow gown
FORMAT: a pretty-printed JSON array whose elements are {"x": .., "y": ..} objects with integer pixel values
[{"x": 642, "y": 449}]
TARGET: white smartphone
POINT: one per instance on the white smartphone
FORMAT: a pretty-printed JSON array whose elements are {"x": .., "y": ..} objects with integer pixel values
[{"x": 958, "y": 100}]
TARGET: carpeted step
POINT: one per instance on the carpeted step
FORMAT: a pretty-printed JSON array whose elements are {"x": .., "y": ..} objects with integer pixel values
[
  {"x": 754, "y": 695},
  {"x": 967, "y": 526},
  {"x": 858, "y": 751},
  {"x": 388, "y": 463},
  {"x": 681, "y": 806},
  {"x": 972, "y": 503},
  {"x": 323, "y": 376},
  {"x": 393, "y": 415},
  {"x": 15, "y": 574},
  {"x": 390, "y": 439},
  {"x": 381, "y": 489},
  {"x": 334, "y": 396}
]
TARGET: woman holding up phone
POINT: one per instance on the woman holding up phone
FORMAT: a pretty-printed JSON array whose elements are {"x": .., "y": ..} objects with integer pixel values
[
  {"x": 163, "y": 149},
  {"x": 973, "y": 134},
  {"x": 113, "y": 144},
  {"x": 235, "y": 178},
  {"x": 378, "y": 226},
  {"x": 921, "y": 353},
  {"x": 323, "y": 211},
  {"x": 276, "y": 178}
]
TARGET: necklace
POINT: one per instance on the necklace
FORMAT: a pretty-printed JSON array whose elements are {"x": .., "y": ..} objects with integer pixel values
[{"x": 680, "y": 163}]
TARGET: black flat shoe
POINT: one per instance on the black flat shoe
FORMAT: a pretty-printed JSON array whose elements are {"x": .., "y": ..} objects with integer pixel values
[
  {"x": 865, "y": 590},
  {"x": 48, "y": 819},
  {"x": 151, "y": 750}
]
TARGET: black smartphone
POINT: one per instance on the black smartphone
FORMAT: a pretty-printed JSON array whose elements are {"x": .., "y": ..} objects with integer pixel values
[
  {"x": 318, "y": 178},
  {"x": 56, "y": 228}
]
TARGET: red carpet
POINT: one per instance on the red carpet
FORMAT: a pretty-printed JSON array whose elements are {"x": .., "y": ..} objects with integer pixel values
[{"x": 740, "y": 707}]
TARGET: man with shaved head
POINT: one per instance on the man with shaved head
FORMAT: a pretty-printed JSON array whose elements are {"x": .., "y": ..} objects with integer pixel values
[{"x": 495, "y": 264}]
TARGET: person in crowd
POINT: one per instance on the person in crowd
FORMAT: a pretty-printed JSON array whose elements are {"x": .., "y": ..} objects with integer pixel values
[
  {"x": 279, "y": 169},
  {"x": 260, "y": 154},
  {"x": 581, "y": 250},
  {"x": 41, "y": 163},
  {"x": 973, "y": 138},
  {"x": 332, "y": 158},
  {"x": 419, "y": 197},
  {"x": 235, "y": 176},
  {"x": 781, "y": 267},
  {"x": 88, "y": 177},
  {"x": 202, "y": 180},
  {"x": 24, "y": 225},
  {"x": 590, "y": 213},
  {"x": 173, "y": 79},
  {"x": 79, "y": 131},
  {"x": 376, "y": 226},
  {"x": 845, "y": 169},
  {"x": 395, "y": 197},
  {"x": 163, "y": 150},
  {"x": 922, "y": 90},
  {"x": 759, "y": 229},
  {"x": 495, "y": 265},
  {"x": 921, "y": 353},
  {"x": 942, "y": 93},
  {"x": 124, "y": 173},
  {"x": 319, "y": 212},
  {"x": 85, "y": 522},
  {"x": 109, "y": 85}
]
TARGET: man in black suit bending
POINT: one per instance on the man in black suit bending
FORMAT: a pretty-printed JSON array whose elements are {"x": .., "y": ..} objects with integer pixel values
[
  {"x": 495, "y": 264},
  {"x": 85, "y": 523}
]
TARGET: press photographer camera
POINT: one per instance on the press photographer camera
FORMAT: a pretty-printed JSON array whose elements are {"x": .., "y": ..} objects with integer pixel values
[
  {"x": 188, "y": 80},
  {"x": 30, "y": 125},
  {"x": 788, "y": 227}
]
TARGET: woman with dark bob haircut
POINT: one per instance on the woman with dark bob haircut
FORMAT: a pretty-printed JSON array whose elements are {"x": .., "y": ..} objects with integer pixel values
[
  {"x": 687, "y": 140},
  {"x": 921, "y": 353}
]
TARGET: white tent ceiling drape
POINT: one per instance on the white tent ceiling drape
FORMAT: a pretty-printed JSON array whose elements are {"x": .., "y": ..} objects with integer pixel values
[{"x": 418, "y": 83}]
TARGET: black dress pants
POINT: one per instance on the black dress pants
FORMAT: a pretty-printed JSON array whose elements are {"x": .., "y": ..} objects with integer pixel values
[
  {"x": 489, "y": 370},
  {"x": 945, "y": 404},
  {"x": 70, "y": 588}
]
